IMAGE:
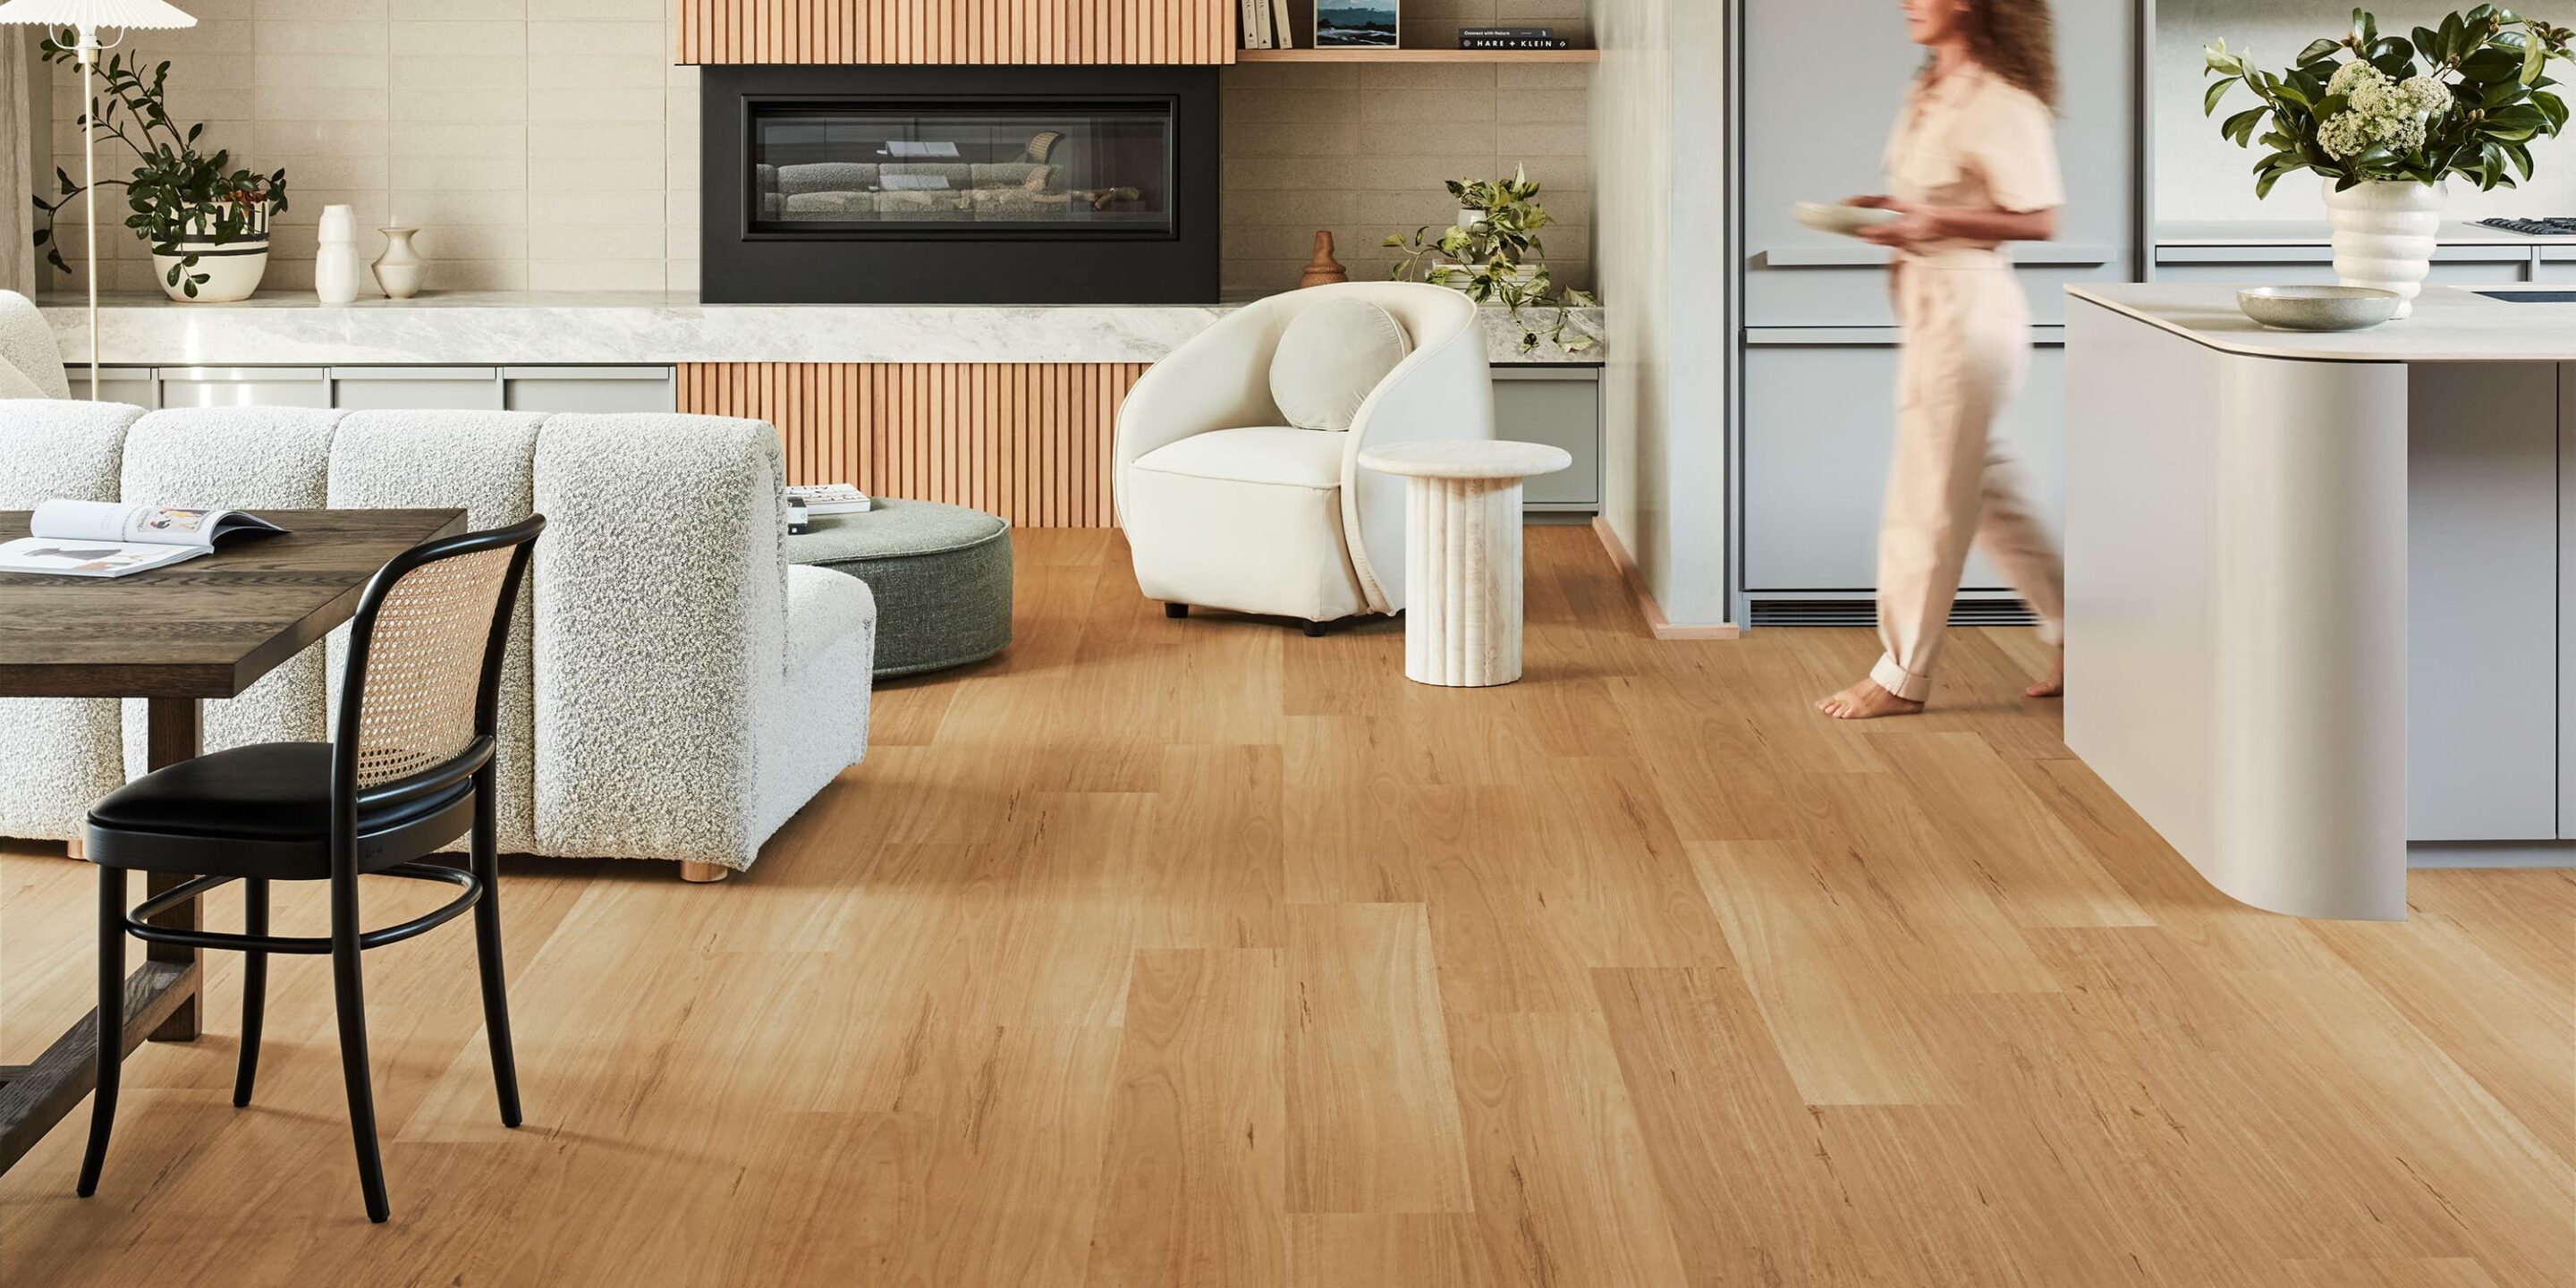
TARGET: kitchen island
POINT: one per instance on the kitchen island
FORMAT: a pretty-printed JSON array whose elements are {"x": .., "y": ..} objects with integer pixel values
[{"x": 2314, "y": 622}]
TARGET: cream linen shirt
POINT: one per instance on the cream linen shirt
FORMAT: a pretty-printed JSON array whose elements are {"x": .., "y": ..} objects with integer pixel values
[{"x": 1973, "y": 140}]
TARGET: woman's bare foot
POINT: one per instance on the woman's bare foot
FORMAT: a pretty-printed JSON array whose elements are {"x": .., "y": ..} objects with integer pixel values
[
  {"x": 1867, "y": 701},
  {"x": 2055, "y": 685}
]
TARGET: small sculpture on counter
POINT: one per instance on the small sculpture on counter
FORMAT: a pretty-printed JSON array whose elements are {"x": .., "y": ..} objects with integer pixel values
[{"x": 1323, "y": 269}]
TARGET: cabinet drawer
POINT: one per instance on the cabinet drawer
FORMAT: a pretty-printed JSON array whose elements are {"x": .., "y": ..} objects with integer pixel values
[
  {"x": 1819, "y": 427},
  {"x": 1560, "y": 409},
  {"x": 416, "y": 388},
  {"x": 589, "y": 389},
  {"x": 244, "y": 387}
]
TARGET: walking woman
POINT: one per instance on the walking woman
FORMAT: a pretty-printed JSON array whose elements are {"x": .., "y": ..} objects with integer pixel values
[{"x": 1972, "y": 165}]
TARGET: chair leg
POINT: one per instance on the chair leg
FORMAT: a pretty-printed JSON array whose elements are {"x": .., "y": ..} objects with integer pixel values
[
  {"x": 1176, "y": 610},
  {"x": 1314, "y": 630},
  {"x": 486, "y": 862},
  {"x": 111, "y": 1023},
  {"x": 254, "y": 987},
  {"x": 349, "y": 994}
]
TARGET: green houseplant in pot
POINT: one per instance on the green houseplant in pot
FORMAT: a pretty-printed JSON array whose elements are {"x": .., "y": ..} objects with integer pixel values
[
  {"x": 207, "y": 220},
  {"x": 1493, "y": 255},
  {"x": 2387, "y": 120}
]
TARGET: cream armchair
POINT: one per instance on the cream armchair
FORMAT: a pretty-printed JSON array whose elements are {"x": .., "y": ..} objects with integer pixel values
[{"x": 1226, "y": 506}]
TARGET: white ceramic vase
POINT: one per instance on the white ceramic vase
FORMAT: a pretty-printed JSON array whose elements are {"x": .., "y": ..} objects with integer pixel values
[
  {"x": 2384, "y": 235},
  {"x": 232, "y": 269},
  {"x": 335, "y": 262},
  {"x": 400, "y": 268}
]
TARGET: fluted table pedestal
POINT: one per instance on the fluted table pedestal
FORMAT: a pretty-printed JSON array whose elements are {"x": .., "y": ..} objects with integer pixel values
[{"x": 1462, "y": 624}]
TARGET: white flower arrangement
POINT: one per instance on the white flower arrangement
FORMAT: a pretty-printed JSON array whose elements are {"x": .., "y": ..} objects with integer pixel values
[
  {"x": 2468, "y": 96},
  {"x": 2379, "y": 111}
]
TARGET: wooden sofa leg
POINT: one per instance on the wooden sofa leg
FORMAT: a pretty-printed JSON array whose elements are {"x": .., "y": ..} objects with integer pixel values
[
  {"x": 76, "y": 848},
  {"x": 691, "y": 870}
]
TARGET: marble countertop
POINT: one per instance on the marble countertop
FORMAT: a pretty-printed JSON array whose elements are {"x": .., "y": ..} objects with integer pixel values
[
  {"x": 2450, "y": 324},
  {"x": 496, "y": 328},
  {"x": 2315, "y": 232}
]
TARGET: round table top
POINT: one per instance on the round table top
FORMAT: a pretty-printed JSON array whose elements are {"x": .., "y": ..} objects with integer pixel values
[{"x": 1466, "y": 458}]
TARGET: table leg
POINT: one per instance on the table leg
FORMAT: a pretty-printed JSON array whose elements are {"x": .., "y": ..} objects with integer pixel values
[
  {"x": 172, "y": 734},
  {"x": 1463, "y": 581}
]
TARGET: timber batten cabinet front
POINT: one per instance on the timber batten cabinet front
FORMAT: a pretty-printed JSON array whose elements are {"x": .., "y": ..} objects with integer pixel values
[
  {"x": 1026, "y": 32},
  {"x": 1817, "y": 341}
]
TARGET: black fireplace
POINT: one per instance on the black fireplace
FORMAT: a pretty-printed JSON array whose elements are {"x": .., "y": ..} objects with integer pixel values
[{"x": 959, "y": 185}]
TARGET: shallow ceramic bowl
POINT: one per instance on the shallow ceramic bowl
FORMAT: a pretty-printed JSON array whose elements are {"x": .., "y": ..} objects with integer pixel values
[
  {"x": 2318, "y": 308},
  {"x": 1846, "y": 220}
]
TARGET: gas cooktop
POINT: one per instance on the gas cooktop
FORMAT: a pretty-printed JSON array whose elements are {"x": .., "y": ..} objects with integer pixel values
[{"x": 2535, "y": 227}]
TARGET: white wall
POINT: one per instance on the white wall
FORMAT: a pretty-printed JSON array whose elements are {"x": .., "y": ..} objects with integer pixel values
[
  {"x": 1658, "y": 249},
  {"x": 2202, "y": 176}
]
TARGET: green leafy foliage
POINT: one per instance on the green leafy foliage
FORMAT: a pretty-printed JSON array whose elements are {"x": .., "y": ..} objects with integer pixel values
[
  {"x": 175, "y": 191},
  {"x": 1491, "y": 257},
  {"x": 2492, "y": 63}
]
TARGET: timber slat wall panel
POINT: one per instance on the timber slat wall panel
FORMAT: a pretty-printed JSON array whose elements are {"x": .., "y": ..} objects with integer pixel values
[
  {"x": 1028, "y": 441},
  {"x": 955, "y": 31}
]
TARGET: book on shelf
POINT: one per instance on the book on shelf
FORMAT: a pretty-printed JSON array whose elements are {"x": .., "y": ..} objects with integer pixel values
[
  {"x": 1256, "y": 24},
  {"x": 829, "y": 498},
  {"x": 116, "y": 539},
  {"x": 1283, "y": 32},
  {"x": 1507, "y": 33}
]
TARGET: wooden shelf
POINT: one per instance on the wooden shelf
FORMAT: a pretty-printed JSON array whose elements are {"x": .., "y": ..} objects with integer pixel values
[{"x": 1417, "y": 55}]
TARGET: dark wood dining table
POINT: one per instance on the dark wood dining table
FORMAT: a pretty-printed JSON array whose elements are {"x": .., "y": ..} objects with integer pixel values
[{"x": 175, "y": 636}]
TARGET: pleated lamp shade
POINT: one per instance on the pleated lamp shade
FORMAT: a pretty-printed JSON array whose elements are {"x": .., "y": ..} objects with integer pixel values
[{"x": 90, "y": 15}]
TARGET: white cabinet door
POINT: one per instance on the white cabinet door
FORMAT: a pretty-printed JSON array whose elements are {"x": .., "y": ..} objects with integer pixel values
[
  {"x": 589, "y": 389},
  {"x": 416, "y": 388},
  {"x": 1823, "y": 82},
  {"x": 1819, "y": 427}
]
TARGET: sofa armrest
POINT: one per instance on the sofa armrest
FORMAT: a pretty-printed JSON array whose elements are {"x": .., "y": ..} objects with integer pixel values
[
  {"x": 61, "y": 449},
  {"x": 661, "y": 622}
]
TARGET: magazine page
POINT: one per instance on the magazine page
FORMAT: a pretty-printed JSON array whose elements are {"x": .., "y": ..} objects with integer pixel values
[
  {"x": 128, "y": 522},
  {"x": 75, "y": 557}
]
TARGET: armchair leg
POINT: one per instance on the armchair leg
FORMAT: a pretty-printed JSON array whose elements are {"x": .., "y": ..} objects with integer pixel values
[
  {"x": 1176, "y": 610},
  {"x": 1314, "y": 630},
  {"x": 703, "y": 873}
]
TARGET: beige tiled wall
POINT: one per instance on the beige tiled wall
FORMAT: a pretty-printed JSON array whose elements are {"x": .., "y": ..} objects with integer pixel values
[
  {"x": 1364, "y": 151},
  {"x": 550, "y": 145},
  {"x": 538, "y": 144}
]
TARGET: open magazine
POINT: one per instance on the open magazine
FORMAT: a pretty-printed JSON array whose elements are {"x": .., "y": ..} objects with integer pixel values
[{"x": 113, "y": 538}]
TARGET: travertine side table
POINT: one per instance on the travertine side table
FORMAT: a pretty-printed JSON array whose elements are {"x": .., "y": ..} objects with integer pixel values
[{"x": 1462, "y": 624}]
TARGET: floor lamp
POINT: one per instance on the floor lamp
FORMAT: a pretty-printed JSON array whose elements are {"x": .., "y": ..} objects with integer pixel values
[{"x": 86, "y": 18}]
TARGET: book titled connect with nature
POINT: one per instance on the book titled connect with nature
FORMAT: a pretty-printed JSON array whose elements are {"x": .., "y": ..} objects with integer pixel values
[{"x": 113, "y": 539}]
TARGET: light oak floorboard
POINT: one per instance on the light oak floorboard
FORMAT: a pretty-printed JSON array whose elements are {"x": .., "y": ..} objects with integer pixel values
[{"x": 1198, "y": 952}]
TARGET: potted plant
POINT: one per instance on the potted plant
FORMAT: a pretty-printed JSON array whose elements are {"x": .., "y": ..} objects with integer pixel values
[
  {"x": 2387, "y": 120},
  {"x": 1492, "y": 254},
  {"x": 206, "y": 220}
]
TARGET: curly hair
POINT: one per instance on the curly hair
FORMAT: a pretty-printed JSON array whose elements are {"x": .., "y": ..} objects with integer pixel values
[{"x": 2017, "y": 40}]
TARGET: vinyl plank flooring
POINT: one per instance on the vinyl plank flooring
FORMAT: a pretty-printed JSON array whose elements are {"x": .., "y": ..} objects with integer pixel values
[{"x": 1198, "y": 952}]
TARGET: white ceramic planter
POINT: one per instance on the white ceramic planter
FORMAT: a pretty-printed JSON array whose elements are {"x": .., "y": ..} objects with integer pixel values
[
  {"x": 2384, "y": 236},
  {"x": 232, "y": 269}
]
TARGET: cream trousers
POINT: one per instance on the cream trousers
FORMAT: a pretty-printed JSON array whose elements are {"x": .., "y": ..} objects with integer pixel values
[{"x": 1967, "y": 347}]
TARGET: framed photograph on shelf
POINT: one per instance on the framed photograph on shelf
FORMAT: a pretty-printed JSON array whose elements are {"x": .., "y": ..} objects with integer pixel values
[{"x": 1356, "y": 24}]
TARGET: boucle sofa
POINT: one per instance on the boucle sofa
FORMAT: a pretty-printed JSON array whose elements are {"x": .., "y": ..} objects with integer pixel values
[{"x": 674, "y": 689}]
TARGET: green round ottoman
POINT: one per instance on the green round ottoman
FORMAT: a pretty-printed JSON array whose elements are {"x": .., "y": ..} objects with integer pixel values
[{"x": 941, "y": 575}]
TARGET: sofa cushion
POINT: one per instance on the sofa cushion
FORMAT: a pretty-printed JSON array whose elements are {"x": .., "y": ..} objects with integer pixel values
[
  {"x": 1331, "y": 359},
  {"x": 1277, "y": 455}
]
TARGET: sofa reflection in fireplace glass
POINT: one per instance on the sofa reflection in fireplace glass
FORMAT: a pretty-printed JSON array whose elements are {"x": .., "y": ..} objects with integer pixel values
[{"x": 1089, "y": 171}]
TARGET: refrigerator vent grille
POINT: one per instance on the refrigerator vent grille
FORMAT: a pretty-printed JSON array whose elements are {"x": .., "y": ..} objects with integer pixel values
[{"x": 1864, "y": 612}]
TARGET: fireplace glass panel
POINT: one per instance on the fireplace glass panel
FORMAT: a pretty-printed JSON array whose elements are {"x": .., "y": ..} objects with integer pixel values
[{"x": 1015, "y": 170}]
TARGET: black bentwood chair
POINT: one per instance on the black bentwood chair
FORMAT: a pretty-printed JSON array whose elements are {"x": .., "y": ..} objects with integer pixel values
[{"x": 409, "y": 770}]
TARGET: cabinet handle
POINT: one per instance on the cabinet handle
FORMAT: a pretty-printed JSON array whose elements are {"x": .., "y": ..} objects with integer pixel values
[{"x": 2027, "y": 255}]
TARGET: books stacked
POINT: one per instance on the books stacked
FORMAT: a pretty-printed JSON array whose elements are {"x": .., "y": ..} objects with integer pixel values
[
  {"x": 1265, "y": 25},
  {"x": 829, "y": 498},
  {"x": 1511, "y": 38}
]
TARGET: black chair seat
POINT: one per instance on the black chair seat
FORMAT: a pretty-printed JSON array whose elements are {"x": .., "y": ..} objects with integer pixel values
[{"x": 260, "y": 811}]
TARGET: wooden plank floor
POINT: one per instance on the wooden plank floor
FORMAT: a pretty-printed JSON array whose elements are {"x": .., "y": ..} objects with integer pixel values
[{"x": 1201, "y": 953}]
